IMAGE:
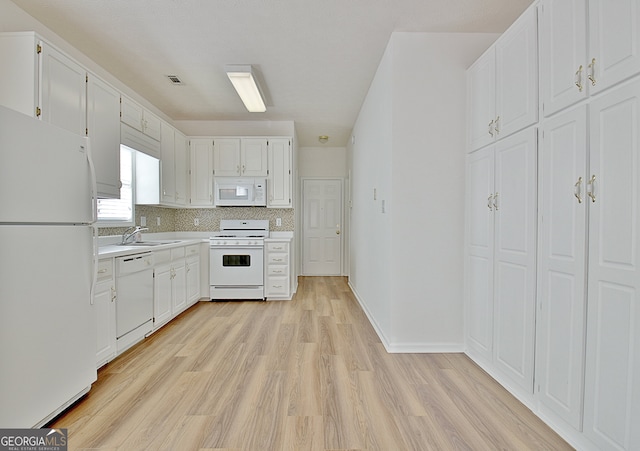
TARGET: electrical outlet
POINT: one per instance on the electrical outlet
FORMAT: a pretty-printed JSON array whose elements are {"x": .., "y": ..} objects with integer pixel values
[
  {"x": 196, "y": 222},
  {"x": 143, "y": 221},
  {"x": 278, "y": 222},
  {"x": 157, "y": 220}
]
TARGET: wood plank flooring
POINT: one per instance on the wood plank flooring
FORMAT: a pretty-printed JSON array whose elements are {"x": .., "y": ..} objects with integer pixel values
[{"x": 306, "y": 374}]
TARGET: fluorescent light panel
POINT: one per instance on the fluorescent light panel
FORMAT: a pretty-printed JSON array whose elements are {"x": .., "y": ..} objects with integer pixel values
[{"x": 247, "y": 88}]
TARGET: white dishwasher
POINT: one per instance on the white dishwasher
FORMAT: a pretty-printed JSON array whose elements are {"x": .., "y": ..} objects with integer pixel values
[{"x": 134, "y": 299}]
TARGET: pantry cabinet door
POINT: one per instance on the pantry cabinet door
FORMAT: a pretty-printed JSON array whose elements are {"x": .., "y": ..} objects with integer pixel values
[
  {"x": 561, "y": 311},
  {"x": 612, "y": 376},
  {"x": 481, "y": 86},
  {"x": 563, "y": 52},
  {"x": 614, "y": 42},
  {"x": 517, "y": 76},
  {"x": 479, "y": 264},
  {"x": 514, "y": 256}
]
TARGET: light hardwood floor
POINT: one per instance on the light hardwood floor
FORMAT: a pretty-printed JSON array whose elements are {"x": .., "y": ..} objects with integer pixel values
[{"x": 307, "y": 374}]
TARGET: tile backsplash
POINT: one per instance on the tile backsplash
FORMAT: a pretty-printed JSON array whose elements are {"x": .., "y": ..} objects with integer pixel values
[{"x": 183, "y": 220}]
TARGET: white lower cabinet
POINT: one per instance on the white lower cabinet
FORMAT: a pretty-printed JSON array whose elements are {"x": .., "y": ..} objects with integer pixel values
[
  {"x": 277, "y": 269},
  {"x": 105, "y": 308},
  {"x": 170, "y": 285},
  {"x": 192, "y": 264},
  {"x": 500, "y": 260}
]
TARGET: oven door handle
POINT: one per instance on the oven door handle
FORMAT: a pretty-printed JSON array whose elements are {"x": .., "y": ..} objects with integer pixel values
[{"x": 238, "y": 246}]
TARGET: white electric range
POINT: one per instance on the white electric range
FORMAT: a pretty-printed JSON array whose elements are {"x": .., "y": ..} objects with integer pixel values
[{"x": 236, "y": 259}]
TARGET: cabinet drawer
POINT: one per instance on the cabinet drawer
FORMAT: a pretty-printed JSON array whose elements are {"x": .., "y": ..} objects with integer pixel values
[
  {"x": 105, "y": 269},
  {"x": 279, "y": 259},
  {"x": 277, "y": 286},
  {"x": 278, "y": 270},
  {"x": 177, "y": 253},
  {"x": 278, "y": 247},
  {"x": 193, "y": 249},
  {"x": 162, "y": 256}
]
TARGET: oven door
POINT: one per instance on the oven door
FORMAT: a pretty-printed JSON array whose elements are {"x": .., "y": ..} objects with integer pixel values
[{"x": 236, "y": 266}]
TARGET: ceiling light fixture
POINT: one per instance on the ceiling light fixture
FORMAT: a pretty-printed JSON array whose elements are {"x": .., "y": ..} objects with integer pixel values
[
  {"x": 247, "y": 87},
  {"x": 323, "y": 138}
]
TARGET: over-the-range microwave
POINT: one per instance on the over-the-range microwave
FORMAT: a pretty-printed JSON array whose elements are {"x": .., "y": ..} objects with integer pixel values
[{"x": 240, "y": 192}]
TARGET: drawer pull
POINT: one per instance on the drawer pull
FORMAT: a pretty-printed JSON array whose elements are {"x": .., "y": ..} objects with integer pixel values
[{"x": 102, "y": 271}]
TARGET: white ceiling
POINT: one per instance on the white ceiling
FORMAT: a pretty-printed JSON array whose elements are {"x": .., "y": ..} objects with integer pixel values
[{"x": 316, "y": 58}]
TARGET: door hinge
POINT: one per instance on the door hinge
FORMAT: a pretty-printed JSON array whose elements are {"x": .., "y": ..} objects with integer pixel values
[
  {"x": 289, "y": 171},
  {"x": 86, "y": 78},
  {"x": 38, "y": 111},
  {"x": 38, "y": 48},
  {"x": 86, "y": 132}
]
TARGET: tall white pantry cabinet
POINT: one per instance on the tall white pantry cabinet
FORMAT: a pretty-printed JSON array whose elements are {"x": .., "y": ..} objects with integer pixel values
[{"x": 586, "y": 315}]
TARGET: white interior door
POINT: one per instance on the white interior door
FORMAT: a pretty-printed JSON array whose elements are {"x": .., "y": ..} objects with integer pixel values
[{"x": 322, "y": 227}]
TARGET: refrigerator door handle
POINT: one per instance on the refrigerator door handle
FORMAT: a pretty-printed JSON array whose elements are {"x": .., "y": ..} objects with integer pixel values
[
  {"x": 94, "y": 182},
  {"x": 94, "y": 261}
]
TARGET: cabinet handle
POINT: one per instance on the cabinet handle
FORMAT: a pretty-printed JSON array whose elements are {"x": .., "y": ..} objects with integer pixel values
[
  {"x": 591, "y": 188},
  {"x": 491, "y": 128},
  {"x": 243, "y": 168},
  {"x": 113, "y": 294},
  {"x": 592, "y": 72},
  {"x": 238, "y": 169},
  {"x": 495, "y": 201},
  {"x": 578, "y": 191},
  {"x": 277, "y": 259},
  {"x": 579, "y": 78},
  {"x": 497, "y": 126},
  {"x": 489, "y": 202},
  {"x": 102, "y": 271}
]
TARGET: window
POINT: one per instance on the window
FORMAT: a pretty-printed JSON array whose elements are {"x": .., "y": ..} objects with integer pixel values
[{"x": 119, "y": 212}]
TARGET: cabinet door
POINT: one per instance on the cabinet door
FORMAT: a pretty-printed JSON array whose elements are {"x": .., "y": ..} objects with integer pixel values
[
  {"x": 181, "y": 165},
  {"x": 517, "y": 76},
  {"x": 253, "y": 157},
  {"x": 280, "y": 179},
  {"x": 481, "y": 83},
  {"x": 167, "y": 163},
  {"x": 19, "y": 78},
  {"x": 514, "y": 256},
  {"x": 179, "y": 287},
  {"x": 562, "y": 297},
  {"x": 226, "y": 157},
  {"x": 201, "y": 172},
  {"x": 64, "y": 91},
  {"x": 563, "y": 53},
  {"x": 614, "y": 42},
  {"x": 193, "y": 279},
  {"x": 103, "y": 119},
  {"x": 162, "y": 295},
  {"x": 105, "y": 310},
  {"x": 479, "y": 264},
  {"x": 151, "y": 125},
  {"x": 612, "y": 376},
  {"x": 131, "y": 113}
]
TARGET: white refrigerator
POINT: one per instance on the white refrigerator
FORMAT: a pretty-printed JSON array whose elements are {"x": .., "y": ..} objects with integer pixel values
[{"x": 47, "y": 270}]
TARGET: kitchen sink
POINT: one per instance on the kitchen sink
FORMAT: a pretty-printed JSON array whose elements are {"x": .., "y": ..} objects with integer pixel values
[{"x": 149, "y": 243}]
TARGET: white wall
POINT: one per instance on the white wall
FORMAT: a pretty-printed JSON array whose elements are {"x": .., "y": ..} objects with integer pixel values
[
  {"x": 322, "y": 162},
  {"x": 407, "y": 263}
]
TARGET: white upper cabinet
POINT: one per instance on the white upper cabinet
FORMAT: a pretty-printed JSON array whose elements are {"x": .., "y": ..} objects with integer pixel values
[
  {"x": 141, "y": 119},
  {"x": 167, "y": 164},
  {"x": 201, "y": 159},
  {"x": 503, "y": 84},
  {"x": 226, "y": 157},
  {"x": 240, "y": 157},
  {"x": 103, "y": 127},
  {"x": 181, "y": 149},
  {"x": 253, "y": 156},
  {"x": 280, "y": 179},
  {"x": 587, "y": 46},
  {"x": 63, "y": 91}
]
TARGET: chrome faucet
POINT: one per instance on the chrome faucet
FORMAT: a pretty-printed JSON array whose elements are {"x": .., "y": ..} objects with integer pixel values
[{"x": 131, "y": 232}]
